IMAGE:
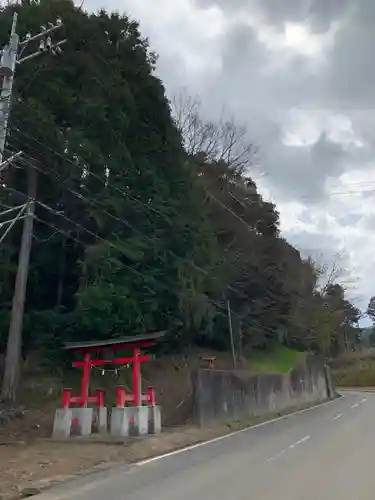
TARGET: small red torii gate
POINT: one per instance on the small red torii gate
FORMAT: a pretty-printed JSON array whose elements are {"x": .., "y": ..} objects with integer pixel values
[{"x": 99, "y": 348}]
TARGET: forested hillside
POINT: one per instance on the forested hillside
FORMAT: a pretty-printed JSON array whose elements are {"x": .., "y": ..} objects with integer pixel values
[{"x": 144, "y": 221}]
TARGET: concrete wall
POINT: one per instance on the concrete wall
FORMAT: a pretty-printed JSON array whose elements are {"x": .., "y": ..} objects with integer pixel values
[{"x": 220, "y": 395}]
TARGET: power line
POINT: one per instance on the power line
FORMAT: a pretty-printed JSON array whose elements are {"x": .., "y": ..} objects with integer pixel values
[
  {"x": 124, "y": 222},
  {"x": 145, "y": 278},
  {"x": 93, "y": 202},
  {"x": 269, "y": 295},
  {"x": 80, "y": 226},
  {"x": 104, "y": 181},
  {"x": 69, "y": 235},
  {"x": 10, "y": 210},
  {"x": 306, "y": 196},
  {"x": 94, "y": 175},
  {"x": 229, "y": 210},
  {"x": 112, "y": 245},
  {"x": 13, "y": 221},
  {"x": 80, "y": 196},
  {"x": 138, "y": 273},
  {"x": 129, "y": 196},
  {"x": 58, "y": 213}
]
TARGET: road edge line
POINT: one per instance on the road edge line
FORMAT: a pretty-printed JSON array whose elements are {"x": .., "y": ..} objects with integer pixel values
[{"x": 231, "y": 434}]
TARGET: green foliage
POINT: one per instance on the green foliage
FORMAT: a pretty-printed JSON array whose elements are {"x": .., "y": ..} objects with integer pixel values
[{"x": 278, "y": 360}]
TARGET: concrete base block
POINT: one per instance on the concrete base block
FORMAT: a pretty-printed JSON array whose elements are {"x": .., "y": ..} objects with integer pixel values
[
  {"x": 141, "y": 420},
  {"x": 132, "y": 413},
  {"x": 138, "y": 420},
  {"x": 62, "y": 423},
  {"x": 120, "y": 422},
  {"x": 102, "y": 420},
  {"x": 154, "y": 420},
  {"x": 82, "y": 418}
]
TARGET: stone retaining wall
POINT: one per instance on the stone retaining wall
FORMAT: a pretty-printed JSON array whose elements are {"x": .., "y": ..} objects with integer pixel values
[{"x": 220, "y": 394}]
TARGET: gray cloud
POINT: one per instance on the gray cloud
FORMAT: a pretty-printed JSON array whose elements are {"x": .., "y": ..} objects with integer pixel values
[
  {"x": 254, "y": 83},
  {"x": 352, "y": 219},
  {"x": 239, "y": 41},
  {"x": 368, "y": 223},
  {"x": 327, "y": 155},
  {"x": 319, "y": 246},
  {"x": 317, "y": 14},
  {"x": 351, "y": 71},
  {"x": 300, "y": 172}
]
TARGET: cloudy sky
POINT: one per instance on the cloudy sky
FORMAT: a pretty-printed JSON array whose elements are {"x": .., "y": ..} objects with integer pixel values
[{"x": 300, "y": 75}]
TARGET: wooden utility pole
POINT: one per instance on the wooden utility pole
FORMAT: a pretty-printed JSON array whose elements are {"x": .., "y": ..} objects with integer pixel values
[
  {"x": 14, "y": 345},
  {"x": 231, "y": 335}
]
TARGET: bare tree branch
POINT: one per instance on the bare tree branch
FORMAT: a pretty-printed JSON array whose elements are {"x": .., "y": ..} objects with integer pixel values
[
  {"x": 334, "y": 272},
  {"x": 222, "y": 141}
]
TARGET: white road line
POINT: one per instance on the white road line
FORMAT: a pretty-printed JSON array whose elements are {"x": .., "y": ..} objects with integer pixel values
[
  {"x": 226, "y": 436},
  {"x": 364, "y": 400},
  {"x": 306, "y": 438},
  {"x": 275, "y": 457},
  {"x": 282, "y": 452},
  {"x": 337, "y": 416},
  {"x": 355, "y": 406}
]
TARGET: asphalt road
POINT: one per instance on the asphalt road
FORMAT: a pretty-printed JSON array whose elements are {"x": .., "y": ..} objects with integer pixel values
[{"x": 326, "y": 453}]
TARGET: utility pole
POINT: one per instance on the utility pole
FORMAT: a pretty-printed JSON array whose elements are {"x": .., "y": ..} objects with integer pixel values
[
  {"x": 13, "y": 352},
  {"x": 11, "y": 57},
  {"x": 231, "y": 335},
  {"x": 346, "y": 328},
  {"x": 7, "y": 69}
]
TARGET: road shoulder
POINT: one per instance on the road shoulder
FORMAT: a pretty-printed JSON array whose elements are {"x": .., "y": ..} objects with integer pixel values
[{"x": 43, "y": 464}]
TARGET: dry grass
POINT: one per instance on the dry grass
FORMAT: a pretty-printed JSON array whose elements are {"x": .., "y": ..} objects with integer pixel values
[
  {"x": 359, "y": 374},
  {"x": 355, "y": 369},
  {"x": 351, "y": 358}
]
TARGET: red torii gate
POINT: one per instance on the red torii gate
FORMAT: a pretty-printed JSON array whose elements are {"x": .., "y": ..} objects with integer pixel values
[{"x": 99, "y": 348}]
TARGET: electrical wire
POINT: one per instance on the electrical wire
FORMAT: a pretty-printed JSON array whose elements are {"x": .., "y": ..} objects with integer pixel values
[
  {"x": 123, "y": 221},
  {"x": 19, "y": 216},
  {"x": 237, "y": 292},
  {"x": 131, "y": 269},
  {"x": 302, "y": 197},
  {"x": 127, "y": 195},
  {"x": 189, "y": 262},
  {"x": 92, "y": 202},
  {"x": 12, "y": 209},
  {"x": 146, "y": 278}
]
